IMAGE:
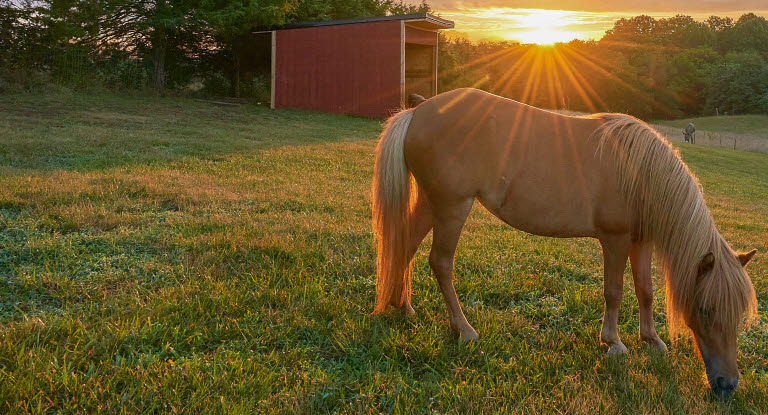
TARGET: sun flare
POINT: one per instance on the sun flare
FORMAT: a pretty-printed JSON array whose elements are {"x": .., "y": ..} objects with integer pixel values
[
  {"x": 543, "y": 36},
  {"x": 540, "y": 26},
  {"x": 544, "y": 27}
]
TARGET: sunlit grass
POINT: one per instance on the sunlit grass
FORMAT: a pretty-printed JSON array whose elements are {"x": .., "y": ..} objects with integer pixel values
[{"x": 163, "y": 255}]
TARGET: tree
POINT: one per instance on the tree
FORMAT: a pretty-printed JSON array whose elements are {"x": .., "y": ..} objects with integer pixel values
[
  {"x": 230, "y": 23},
  {"x": 683, "y": 32},
  {"x": 167, "y": 31},
  {"x": 750, "y": 32},
  {"x": 151, "y": 28},
  {"x": 320, "y": 10},
  {"x": 634, "y": 27},
  {"x": 717, "y": 24},
  {"x": 739, "y": 84}
]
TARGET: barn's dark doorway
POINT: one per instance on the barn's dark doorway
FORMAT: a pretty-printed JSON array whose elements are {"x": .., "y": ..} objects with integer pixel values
[{"x": 420, "y": 70}]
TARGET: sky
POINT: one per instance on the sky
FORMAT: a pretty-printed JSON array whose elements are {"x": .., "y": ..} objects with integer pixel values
[{"x": 547, "y": 21}]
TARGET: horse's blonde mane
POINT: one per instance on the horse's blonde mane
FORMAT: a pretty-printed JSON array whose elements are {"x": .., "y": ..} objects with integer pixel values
[{"x": 668, "y": 202}]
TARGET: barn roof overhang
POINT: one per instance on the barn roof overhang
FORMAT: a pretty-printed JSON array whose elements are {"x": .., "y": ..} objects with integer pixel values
[{"x": 421, "y": 20}]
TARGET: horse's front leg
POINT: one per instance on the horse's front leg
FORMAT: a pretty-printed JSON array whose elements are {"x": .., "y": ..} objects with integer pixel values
[
  {"x": 615, "y": 253},
  {"x": 640, "y": 259}
]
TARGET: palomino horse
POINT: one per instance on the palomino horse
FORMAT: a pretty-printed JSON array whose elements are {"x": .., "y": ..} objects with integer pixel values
[{"x": 605, "y": 176}]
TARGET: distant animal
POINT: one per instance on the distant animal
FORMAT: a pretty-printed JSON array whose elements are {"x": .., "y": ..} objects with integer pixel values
[
  {"x": 414, "y": 100},
  {"x": 605, "y": 176},
  {"x": 689, "y": 134}
]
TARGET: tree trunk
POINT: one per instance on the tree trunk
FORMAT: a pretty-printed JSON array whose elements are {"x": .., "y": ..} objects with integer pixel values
[
  {"x": 236, "y": 83},
  {"x": 235, "y": 47},
  {"x": 158, "y": 61},
  {"x": 159, "y": 42}
]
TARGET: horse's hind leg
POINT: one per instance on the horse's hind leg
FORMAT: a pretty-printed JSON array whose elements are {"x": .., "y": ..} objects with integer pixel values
[
  {"x": 448, "y": 220},
  {"x": 615, "y": 253},
  {"x": 420, "y": 223},
  {"x": 640, "y": 259}
]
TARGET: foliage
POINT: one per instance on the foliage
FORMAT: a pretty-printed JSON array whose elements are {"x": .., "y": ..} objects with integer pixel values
[
  {"x": 651, "y": 68},
  {"x": 664, "y": 68},
  {"x": 174, "y": 42},
  {"x": 319, "y": 10},
  {"x": 739, "y": 84}
]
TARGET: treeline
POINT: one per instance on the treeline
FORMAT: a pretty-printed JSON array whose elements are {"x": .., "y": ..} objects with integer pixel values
[
  {"x": 650, "y": 68},
  {"x": 159, "y": 44},
  {"x": 666, "y": 68}
]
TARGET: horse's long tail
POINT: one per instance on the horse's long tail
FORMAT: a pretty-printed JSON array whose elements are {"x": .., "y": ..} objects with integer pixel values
[{"x": 392, "y": 202}]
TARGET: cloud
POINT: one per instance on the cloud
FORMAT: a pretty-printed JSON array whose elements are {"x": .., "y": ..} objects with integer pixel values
[
  {"x": 635, "y": 6},
  {"x": 505, "y": 19},
  {"x": 522, "y": 24}
]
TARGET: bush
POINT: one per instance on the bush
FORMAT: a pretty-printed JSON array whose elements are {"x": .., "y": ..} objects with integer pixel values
[{"x": 216, "y": 84}]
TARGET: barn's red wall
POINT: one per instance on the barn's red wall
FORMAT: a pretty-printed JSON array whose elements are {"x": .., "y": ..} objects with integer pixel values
[
  {"x": 348, "y": 69},
  {"x": 421, "y": 37}
]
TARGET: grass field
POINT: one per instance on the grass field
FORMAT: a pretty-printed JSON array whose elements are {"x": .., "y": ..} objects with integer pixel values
[
  {"x": 164, "y": 255},
  {"x": 756, "y": 125}
]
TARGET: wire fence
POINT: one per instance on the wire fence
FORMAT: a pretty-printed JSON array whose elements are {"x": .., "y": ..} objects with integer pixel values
[
  {"x": 77, "y": 68},
  {"x": 72, "y": 68},
  {"x": 733, "y": 141}
]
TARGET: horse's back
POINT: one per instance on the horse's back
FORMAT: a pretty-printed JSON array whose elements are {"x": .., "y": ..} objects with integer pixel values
[{"x": 537, "y": 170}]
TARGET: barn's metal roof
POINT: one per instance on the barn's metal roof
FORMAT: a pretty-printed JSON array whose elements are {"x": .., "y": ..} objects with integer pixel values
[{"x": 423, "y": 20}]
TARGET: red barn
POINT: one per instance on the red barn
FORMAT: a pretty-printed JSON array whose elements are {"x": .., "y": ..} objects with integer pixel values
[{"x": 365, "y": 67}]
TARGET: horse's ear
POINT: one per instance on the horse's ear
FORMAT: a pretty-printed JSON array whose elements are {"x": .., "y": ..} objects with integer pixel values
[
  {"x": 706, "y": 264},
  {"x": 745, "y": 258}
]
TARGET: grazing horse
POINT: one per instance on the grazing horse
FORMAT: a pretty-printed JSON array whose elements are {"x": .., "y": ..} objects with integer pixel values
[
  {"x": 689, "y": 134},
  {"x": 605, "y": 176}
]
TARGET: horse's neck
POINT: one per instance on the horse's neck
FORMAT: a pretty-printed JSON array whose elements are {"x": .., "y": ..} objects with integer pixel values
[{"x": 693, "y": 240}]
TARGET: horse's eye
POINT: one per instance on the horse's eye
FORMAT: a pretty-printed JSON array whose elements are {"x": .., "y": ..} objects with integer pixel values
[{"x": 705, "y": 314}]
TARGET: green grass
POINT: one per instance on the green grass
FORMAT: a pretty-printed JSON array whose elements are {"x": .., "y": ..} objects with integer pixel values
[
  {"x": 756, "y": 125},
  {"x": 164, "y": 255}
]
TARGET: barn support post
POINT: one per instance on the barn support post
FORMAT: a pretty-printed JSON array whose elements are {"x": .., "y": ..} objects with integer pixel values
[
  {"x": 403, "y": 102},
  {"x": 434, "y": 73},
  {"x": 272, "y": 69}
]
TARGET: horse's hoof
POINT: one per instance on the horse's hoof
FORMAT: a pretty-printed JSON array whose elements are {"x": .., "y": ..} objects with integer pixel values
[
  {"x": 616, "y": 349},
  {"x": 655, "y": 343},
  {"x": 467, "y": 336},
  {"x": 408, "y": 310}
]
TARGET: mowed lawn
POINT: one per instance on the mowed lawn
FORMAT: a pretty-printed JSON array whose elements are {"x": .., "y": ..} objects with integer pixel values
[{"x": 160, "y": 255}]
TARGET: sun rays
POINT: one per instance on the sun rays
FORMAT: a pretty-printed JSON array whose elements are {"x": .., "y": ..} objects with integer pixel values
[
  {"x": 543, "y": 62},
  {"x": 544, "y": 27},
  {"x": 531, "y": 26},
  {"x": 563, "y": 76}
]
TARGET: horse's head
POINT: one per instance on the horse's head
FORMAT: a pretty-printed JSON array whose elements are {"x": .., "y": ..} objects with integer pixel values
[{"x": 724, "y": 295}]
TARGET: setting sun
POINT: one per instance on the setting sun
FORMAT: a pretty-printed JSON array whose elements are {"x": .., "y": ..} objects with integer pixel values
[
  {"x": 544, "y": 36},
  {"x": 544, "y": 27},
  {"x": 539, "y": 26}
]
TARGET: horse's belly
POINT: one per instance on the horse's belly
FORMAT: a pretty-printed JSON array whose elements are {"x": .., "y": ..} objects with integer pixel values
[
  {"x": 560, "y": 213},
  {"x": 548, "y": 221}
]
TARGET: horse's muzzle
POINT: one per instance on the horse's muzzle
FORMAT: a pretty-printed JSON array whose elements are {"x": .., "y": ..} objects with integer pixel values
[{"x": 723, "y": 388}]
